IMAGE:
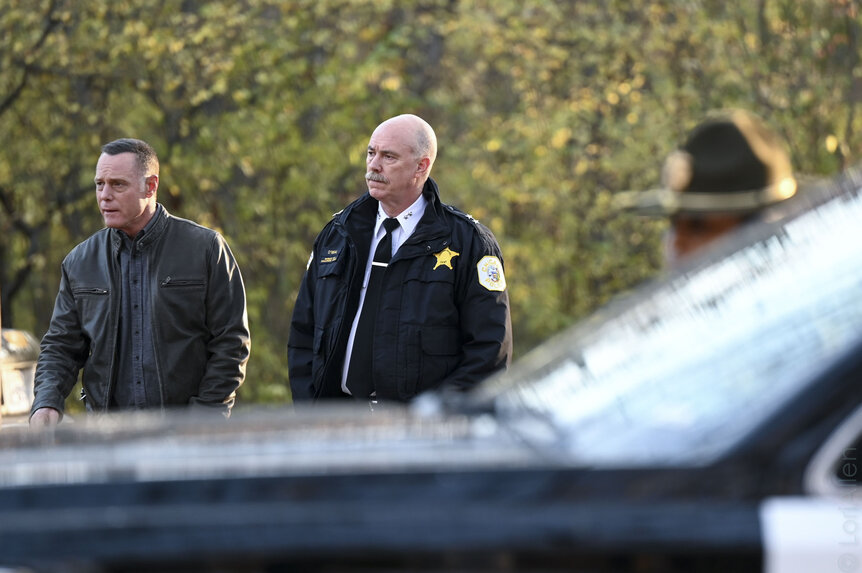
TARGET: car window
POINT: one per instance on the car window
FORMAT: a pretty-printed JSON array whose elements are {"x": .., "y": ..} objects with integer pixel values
[{"x": 680, "y": 371}]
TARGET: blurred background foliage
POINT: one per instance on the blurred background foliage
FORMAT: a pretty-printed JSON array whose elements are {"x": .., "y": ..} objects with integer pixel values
[{"x": 261, "y": 111}]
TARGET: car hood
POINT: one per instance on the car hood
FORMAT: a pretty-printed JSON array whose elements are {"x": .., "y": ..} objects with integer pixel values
[{"x": 267, "y": 442}]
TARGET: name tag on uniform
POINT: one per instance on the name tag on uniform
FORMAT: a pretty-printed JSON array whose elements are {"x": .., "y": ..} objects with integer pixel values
[{"x": 330, "y": 257}]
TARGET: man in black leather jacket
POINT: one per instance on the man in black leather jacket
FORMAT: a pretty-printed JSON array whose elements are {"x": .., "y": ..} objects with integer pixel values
[
  {"x": 443, "y": 317},
  {"x": 152, "y": 307}
]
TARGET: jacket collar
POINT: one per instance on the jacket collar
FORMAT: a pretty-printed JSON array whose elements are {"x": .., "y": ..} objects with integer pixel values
[
  {"x": 155, "y": 228},
  {"x": 432, "y": 223},
  {"x": 366, "y": 206}
]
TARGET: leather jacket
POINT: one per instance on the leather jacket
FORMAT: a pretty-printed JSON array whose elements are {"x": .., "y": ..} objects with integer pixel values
[
  {"x": 437, "y": 324},
  {"x": 199, "y": 322}
]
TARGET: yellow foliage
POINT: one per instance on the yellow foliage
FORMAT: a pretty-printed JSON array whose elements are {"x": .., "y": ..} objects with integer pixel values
[
  {"x": 391, "y": 83},
  {"x": 561, "y": 137}
]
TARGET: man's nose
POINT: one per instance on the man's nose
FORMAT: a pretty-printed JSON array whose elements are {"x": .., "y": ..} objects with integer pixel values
[{"x": 374, "y": 163}]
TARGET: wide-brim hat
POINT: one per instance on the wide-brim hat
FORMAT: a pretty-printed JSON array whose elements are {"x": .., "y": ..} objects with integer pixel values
[{"x": 730, "y": 163}]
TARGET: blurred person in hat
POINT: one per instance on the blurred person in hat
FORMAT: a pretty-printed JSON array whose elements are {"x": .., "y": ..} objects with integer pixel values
[{"x": 731, "y": 170}]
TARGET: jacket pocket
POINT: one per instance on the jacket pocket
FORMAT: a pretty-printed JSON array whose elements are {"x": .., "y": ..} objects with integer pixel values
[
  {"x": 93, "y": 306},
  {"x": 330, "y": 299},
  {"x": 181, "y": 301},
  {"x": 330, "y": 267},
  {"x": 430, "y": 362},
  {"x": 428, "y": 295}
]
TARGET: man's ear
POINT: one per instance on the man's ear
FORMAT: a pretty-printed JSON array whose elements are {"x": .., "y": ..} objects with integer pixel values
[
  {"x": 152, "y": 185},
  {"x": 424, "y": 164}
]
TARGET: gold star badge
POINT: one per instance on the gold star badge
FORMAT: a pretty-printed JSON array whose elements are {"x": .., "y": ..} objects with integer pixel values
[{"x": 445, "y": 257}]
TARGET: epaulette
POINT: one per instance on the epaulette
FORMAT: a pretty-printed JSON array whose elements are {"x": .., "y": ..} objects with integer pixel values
[
  {"x": 456, "y": 211},
  {"x": 487, "y": 235}
]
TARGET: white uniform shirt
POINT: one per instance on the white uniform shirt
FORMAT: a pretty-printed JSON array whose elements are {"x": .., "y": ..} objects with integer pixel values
[{"x": 407, "y": 221}]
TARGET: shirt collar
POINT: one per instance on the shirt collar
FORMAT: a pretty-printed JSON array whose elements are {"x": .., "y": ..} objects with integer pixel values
[
  {"x": 408, "y": 219},
  {"x": 127, "y": 240}
]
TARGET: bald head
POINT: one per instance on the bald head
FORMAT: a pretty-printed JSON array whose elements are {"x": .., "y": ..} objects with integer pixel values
[{"x": 418, "y": 134}]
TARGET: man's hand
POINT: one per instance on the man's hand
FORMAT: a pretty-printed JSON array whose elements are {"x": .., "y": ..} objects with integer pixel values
[{"x": 44, "y": 418}]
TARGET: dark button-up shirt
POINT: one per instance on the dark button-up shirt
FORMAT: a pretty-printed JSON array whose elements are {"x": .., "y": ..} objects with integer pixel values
[{"x": 137, "y": 384}]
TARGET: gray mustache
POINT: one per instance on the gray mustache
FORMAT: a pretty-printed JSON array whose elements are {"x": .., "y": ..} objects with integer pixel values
[{"x": 372, "y": 176}]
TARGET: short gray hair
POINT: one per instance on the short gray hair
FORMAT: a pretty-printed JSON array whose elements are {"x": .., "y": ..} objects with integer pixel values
[{"x": 146, "y": 158}]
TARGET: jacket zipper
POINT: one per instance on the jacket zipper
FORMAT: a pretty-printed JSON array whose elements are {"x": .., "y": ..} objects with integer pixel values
[
  {"x": 90, "y": 290},
  {"x": 155, "y": 333},
  {"x": 172, "y": 282},
  {"x": 115, "y": 310}
]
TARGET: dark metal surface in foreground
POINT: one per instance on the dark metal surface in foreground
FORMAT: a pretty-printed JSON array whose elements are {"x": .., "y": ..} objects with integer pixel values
[
  {"x": 384, "y": 520},
  {"x": 343, "y": 489}
]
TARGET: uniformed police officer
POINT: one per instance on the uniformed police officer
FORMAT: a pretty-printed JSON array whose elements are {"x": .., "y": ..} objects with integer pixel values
[
  {"x": 731, "y": 170},
  {"x": 427, "y": 309}
]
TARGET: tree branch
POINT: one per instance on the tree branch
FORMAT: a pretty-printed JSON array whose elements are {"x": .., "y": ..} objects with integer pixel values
[
  {"x": 50, "y": 24},
  {"x": 9, "y": 207}
]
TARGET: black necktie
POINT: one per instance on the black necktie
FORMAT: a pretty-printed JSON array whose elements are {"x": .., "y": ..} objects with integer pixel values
[{"x": 359, "y": 373}]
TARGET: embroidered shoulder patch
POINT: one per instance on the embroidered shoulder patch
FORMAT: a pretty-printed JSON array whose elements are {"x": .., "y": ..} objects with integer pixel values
[{"x": 491, "y": 274}]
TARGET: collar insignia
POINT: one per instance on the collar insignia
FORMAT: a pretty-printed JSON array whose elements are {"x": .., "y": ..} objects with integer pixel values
[{"x": 445, "y": 257}]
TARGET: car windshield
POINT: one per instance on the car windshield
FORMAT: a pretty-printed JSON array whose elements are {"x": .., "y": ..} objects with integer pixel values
[{"x": 681, "y": 370}]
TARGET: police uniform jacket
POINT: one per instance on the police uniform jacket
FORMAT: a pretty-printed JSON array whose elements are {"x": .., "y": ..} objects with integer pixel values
[{"x": 443, "y": 317}]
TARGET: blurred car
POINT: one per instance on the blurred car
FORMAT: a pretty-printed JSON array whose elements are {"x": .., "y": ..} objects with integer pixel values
[
  {"x": 19, "y": 351},
  {"x": 708, "y": 422}
]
